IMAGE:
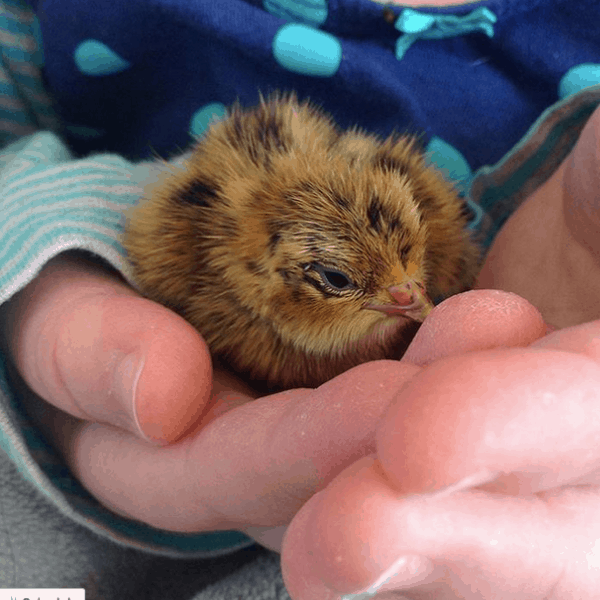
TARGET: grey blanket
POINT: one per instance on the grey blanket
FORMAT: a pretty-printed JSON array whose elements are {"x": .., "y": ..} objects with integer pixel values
[{"x": 40, "y": 548}]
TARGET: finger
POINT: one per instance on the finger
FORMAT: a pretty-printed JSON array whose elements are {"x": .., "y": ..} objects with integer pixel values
[
  {"x": 255, "y": 465},
  {"x": 359, "y": 533},
  {"x": 86, "y": 343},
  {"x": 475, "y": 320},
  {"x": 579, "y": 339},
  {"x": 519, "y": 417},
  {"x": 228, "y": 392}
]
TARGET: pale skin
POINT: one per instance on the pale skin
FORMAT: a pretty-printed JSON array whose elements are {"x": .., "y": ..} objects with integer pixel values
[{"x": 377, "y": 440}]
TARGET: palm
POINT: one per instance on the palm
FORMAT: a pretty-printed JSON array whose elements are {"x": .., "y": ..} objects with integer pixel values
[{"x": 549, "y": 250}]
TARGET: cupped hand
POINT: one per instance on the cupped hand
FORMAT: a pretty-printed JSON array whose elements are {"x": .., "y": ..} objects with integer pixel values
[
  {"x": 128, "y": 399},
  {"x": 484, "y": 483},
  {"x": 76, "y": 335}
]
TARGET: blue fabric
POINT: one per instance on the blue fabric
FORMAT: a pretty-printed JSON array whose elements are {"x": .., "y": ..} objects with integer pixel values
[
  {"x": 131, "y": 77},
  {"x": 25, "y": 106}
]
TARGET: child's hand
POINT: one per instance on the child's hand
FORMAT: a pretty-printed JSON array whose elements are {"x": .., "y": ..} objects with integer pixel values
[
  {"x": 87, "y": 343},
  {"x": 244, "y": 465},
  {"x": 486, "y": 464}
]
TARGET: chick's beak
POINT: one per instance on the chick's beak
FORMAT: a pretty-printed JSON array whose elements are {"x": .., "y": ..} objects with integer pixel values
[{"x": 409, "y": 300}]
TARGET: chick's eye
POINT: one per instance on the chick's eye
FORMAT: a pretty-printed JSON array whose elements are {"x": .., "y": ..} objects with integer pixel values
[{"x": 336, "y": 279}]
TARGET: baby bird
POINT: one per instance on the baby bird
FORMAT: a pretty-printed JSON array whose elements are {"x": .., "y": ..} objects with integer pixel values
[{"x": 299, "y": 250}]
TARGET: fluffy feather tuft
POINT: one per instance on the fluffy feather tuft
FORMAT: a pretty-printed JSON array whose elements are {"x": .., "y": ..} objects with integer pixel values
[{"x": 278, "y": 229}]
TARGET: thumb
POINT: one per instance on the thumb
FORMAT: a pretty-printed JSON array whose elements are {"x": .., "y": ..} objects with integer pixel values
[{"x": 89, "y": 345}]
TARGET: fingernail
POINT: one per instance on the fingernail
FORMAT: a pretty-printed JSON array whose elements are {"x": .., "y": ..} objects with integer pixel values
[
  {"x": 127, "y": 375},
  {"x": 407, "y": 570}
]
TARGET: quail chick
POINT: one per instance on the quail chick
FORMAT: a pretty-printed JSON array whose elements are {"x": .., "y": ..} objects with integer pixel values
[{"x": 299, "y": 250}]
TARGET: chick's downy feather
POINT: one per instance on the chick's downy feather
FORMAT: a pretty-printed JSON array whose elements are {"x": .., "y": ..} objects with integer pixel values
[{"x": 299, "y": 250}]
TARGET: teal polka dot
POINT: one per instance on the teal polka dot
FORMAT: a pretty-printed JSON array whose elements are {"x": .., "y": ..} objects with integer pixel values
[
  {"x": 312, "y": 12},
  {"x": 204, "y": 116},
  {"x": 95, "y": 58},
  {"x": 308, "y": 51},
  {"x": 577, "y": 78},
  {"x": 449, "y": 160}
]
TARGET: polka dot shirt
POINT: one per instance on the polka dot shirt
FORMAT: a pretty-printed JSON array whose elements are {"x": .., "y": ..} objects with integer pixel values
[{"x": 141, "y": 79}]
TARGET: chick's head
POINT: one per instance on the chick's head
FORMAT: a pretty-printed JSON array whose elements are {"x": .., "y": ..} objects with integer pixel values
[{"x": 323, "y": 254}]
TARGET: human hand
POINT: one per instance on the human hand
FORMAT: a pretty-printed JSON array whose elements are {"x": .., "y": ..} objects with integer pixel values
[
  {"x": 486, "y": 468},
  {"x": 248, "y": 469}
]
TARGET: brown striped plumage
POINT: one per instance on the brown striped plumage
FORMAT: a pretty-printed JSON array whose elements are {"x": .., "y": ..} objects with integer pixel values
[{"x": 278, "y": 229}]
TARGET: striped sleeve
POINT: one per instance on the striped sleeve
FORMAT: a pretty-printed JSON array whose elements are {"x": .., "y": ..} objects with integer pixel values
[
  {"x": 50, "y": 206},
  {"x": 25, "y": 106}
]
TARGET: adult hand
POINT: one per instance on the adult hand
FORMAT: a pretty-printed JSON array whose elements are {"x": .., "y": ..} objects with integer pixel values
[{"x": 484, "y": 480}]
